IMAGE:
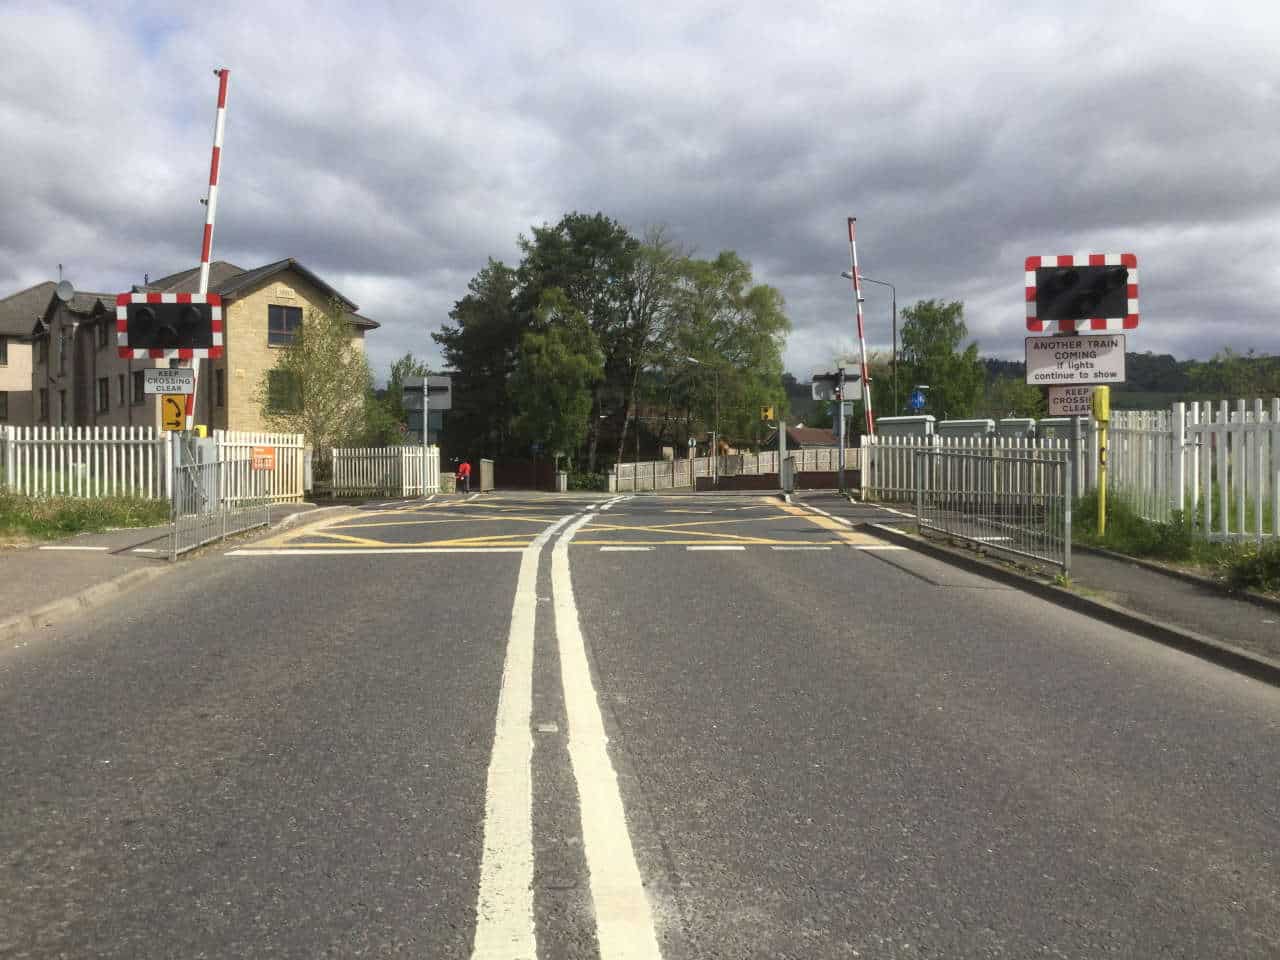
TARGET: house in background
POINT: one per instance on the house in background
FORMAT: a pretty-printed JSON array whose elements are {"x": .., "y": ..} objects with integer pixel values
[
  {"x": 17, "y": 313},
  {"x": 79, "y": 378}
]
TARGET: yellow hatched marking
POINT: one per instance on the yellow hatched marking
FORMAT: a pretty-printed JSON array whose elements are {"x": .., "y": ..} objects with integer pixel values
[
  {"x": 351, "y": 525},
  {"x": 842, "y": 531}
]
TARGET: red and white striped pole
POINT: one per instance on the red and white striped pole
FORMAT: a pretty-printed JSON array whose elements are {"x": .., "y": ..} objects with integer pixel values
[
  {"x": 862, "y": 338},
  {"x": 211, "y": 210}
]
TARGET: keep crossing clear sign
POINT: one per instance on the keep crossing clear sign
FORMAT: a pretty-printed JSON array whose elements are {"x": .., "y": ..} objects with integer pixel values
[{"x": 168, "y": 380}]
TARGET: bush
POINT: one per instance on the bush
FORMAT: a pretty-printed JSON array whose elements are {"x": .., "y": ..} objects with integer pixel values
[
  {"x": 48, "y": 517},
  {"x": 1129, "y": 533},
  {"x": 582, "y": 480},
  {"x": 1255, "y": 567}
]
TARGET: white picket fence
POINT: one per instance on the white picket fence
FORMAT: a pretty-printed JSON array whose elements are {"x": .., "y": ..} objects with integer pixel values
[
  {"x": 284, "y": 484},
  {"x": 889, "y": 464},
  {"x": 1217, "y": 463},
  {"x": 408, "y": 471},
  {"x": 86, "y": 462}
]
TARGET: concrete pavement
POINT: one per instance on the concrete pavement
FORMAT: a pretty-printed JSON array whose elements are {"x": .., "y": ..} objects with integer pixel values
[{"x": 675, "y": 726}]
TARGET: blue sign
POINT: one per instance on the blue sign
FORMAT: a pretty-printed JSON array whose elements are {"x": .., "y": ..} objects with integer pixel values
[{"x": 917, "y": 400}]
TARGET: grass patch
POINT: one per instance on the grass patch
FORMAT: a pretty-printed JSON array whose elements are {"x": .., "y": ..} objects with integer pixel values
[
  {"x": 47, "y": 518},
  {"x": 1245, "y": 565}
]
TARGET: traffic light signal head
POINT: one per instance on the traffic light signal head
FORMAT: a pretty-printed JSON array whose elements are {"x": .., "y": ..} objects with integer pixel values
[
  {"x": 766, "y": 413},
  {"x": 166, "y": 325}
]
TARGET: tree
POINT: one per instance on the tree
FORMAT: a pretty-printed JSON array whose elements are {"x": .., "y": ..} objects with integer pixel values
[
  {"x": 406, "y": 368},
  {"x": 321, "y": 385},
  {"x": 558, "y": 366},
  {"x": 933, "y": 353},
  {"x": 591, "y": 259},
  {"x": 1233, "y": 375},
  {"x": 481, "y": 347},
  {"x": 1012, "y": 397},
  {"x": 726, "y": 320}
]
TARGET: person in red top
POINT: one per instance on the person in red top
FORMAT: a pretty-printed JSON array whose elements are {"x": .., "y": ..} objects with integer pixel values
[{"x": 464, "y": 476}]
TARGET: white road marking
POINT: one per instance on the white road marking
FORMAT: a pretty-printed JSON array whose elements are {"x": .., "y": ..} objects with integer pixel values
[
  {"x": 624, "y": 923},
  {"x": 473, "y": 496},
  {"x": 801, "y": 548},
  {"x": 613, "y": 501},
  {"x": 363, "y": 551},
  {"x": 718, "y": 546},
  {"x": 94, "y": 549},
  {"x": 877, "y": 546},
  {"x": 830, "y": 516},
  {"x": 504, "y": 909},
  {"x": 147, "y": 550},
  {"x": 625, "y": 549}
]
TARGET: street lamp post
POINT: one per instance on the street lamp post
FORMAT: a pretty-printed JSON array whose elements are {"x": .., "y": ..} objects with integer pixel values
[{"x": 893, "y": 294}]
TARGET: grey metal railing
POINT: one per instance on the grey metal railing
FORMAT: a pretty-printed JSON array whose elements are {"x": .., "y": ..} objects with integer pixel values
[
  {"x": 214, "y": 500},
  {"x": 1015, "y": 504}
]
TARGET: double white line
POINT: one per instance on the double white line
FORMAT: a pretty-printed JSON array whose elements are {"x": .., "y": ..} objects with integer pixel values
[{"x": 505, "y": 927}]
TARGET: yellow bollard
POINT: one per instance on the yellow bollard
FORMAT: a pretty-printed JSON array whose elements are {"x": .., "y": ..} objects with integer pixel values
[{"x": 1102, "y": 413}]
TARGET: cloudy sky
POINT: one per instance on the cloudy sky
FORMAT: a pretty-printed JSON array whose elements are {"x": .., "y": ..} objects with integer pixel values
[{"x": 394, "y": 148}]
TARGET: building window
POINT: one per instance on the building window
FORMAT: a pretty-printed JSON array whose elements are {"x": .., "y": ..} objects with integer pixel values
[
  {"x": 4, "y": 404},
  {"x": 62, "y": 407},
  {"x": 282, "y": 324},
  {"x": 104, "y": 394},
  {"x": 102, "y": 334},
  {"x": 4, "y": 351},
  {"x": 139, "y": 387},
  {"x": 42, "y": 350},
  {"x": 44, "y": 404},
  {"x": 282, "y": 392},
  {"x": 220, "y": 387},
  {"x": 120, "y": 394}
]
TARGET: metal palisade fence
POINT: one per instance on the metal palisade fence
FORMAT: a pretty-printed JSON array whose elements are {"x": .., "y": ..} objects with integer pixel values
[
  {"x": 407, "y": 471},
  {"x": 890, "y": 465},
  {"x": 1017, "y": 503},
  {"x": 86, "y": 462},
  {"x": 213, "y": 500}
]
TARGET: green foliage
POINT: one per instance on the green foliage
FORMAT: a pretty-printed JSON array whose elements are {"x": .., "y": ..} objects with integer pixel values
[
  {"x": 49, "y": 517},
  {"x": 1231, "y": 374},
  {"x": 403, "y": 369},
  {"x": 1012, "y": 397},
  {"x": 736, "y": 327},
  {"x": 647, "y": 307},
  {"x": 480, "y": 347},
  {"x": 1255, "y": 567},
  {"x": 321, "y": 384},
  {"x": 934, "y": 353},
  {"x": 582, "y": 480},
  {"x": 558, "y": 364},
  {"x": 1130, "y": 534}
]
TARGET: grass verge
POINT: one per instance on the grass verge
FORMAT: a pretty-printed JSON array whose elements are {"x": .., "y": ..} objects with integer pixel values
[
  {"x": 48, "y": 518},
  {"x": 1244, "y": 565}
]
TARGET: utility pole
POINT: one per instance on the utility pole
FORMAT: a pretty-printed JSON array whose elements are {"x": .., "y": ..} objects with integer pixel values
[{"x": 840, "y": 415}]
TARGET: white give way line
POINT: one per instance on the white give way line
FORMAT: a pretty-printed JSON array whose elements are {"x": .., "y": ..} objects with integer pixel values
[{"x": 505, "y": 928}]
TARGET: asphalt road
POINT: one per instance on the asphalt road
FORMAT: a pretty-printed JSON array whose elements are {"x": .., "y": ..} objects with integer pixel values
[{"x": 685, "y": 727}]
